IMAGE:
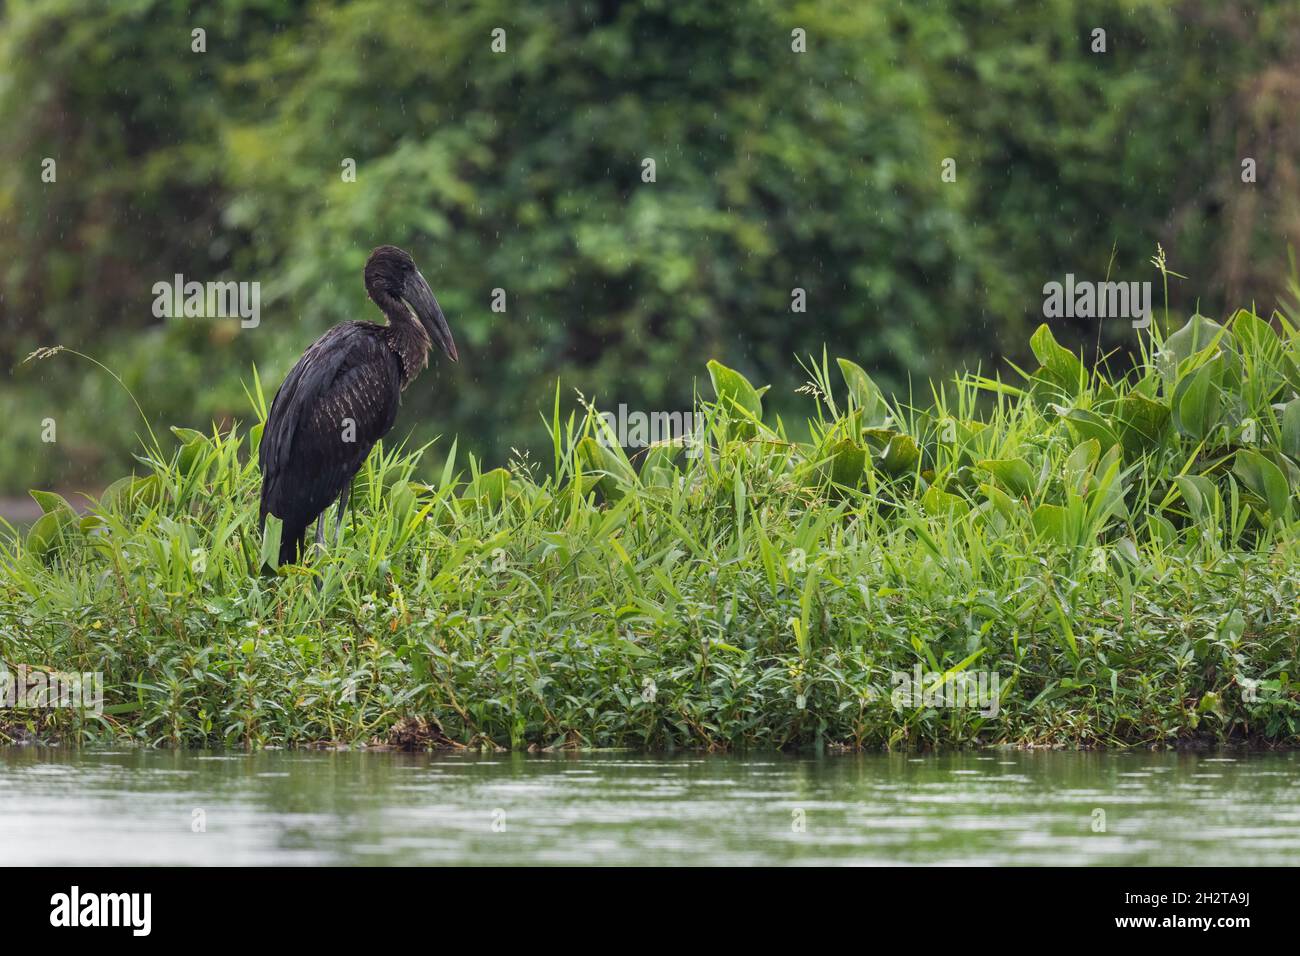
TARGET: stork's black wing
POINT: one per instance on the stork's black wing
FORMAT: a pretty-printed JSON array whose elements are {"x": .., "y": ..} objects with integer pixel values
[{"x": 333, "y": 406}]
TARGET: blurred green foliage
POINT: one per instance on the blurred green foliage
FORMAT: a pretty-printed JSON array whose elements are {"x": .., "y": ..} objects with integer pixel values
[{"x": 522, "y": 171}]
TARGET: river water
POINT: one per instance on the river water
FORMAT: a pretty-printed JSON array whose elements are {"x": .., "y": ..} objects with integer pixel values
[{"x": 993, "y": 807}]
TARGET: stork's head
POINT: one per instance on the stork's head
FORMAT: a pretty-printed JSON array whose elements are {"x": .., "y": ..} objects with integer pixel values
[{"x": 392, "y": 280}]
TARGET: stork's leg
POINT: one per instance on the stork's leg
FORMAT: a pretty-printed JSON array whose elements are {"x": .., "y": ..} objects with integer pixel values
[
  {"x": 320, "y": 544},
  {"x": 343, "y": 508}
]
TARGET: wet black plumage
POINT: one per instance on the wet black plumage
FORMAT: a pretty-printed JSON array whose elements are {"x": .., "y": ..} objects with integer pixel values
[{"x": 342, "y": 396}]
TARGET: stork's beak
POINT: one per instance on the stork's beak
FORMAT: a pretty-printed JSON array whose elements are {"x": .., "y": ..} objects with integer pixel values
[{"x": 420, "y": 298}]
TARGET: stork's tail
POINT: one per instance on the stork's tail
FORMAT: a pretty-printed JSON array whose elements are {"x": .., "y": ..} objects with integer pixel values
[{"x": 292, "y": 540}]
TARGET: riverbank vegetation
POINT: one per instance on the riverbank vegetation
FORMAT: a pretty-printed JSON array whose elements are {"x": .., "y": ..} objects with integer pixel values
[{"x": 1118, "y": 552}]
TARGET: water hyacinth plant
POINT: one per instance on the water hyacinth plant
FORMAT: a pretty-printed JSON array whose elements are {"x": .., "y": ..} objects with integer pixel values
[{"x": 1120, "y": 551}]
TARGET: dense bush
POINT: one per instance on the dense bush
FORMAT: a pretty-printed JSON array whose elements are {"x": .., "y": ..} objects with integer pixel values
[{"x": 522, "y": 171}]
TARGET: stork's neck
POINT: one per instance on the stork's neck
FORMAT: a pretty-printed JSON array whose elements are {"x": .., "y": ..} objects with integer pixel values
[{"x": 405, "y": 336}]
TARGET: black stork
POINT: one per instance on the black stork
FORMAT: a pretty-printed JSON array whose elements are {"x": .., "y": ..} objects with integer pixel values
[{"x": 342, "y": 397}]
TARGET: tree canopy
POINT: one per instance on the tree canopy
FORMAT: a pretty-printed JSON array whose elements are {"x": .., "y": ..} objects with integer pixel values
[{"x": 517, "y": 176}]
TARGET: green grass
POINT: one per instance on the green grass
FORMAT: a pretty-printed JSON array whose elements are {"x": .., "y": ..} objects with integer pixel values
[{"x": 1121, "y": 553}]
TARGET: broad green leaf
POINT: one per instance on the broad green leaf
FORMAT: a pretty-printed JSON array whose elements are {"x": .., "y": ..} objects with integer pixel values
[
  {"x": 1007, "y": 506},
  {"x": 1291, "y": 429},
  {"x": 117, "y": 495},
  {"x": 1292, "y": 371},
  {"x": 123, "y": 494},
  {"x": 900, "y": 455},
  {"x": 493, "y": 484},
  {"x": 1198, "y": 334},
  {"x": 1266, "y": 480},
  {"x": 940, "y": 503},
  {"x": 270, "y": 556},
  {"x": 1200, "y": 494},
  {"x": 1162, "y": 530},
  {"x": 187, "y": 435},
  {"x": 194, "y": 456},
  {"x": 660, "y": 457},
  {"x": 1014, "y": 474},
  {"x": 847, "y": 461},
  {"x": 1053, "y": 522},
  {"x": 402, "y": 502},
  {"x": 49, "y": 531},
  {"x": 1141, "y": 423},
  {"x": 866, "y": 394},
  {"x": 1062, "y": 367},
  {"x": 614, "y": 472},
  {"x": 147, "y": 491},
  {"x": 1087, "y": 425},
  {"x": 732, "y": 388},
  {"x": 1198, "y": 402},
  {"x": 51, "y": 502},
  {"x": 1079, "y": 463},
  {"x": 1257, "y": 340},
  {"x": 93, "y": 524}
]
